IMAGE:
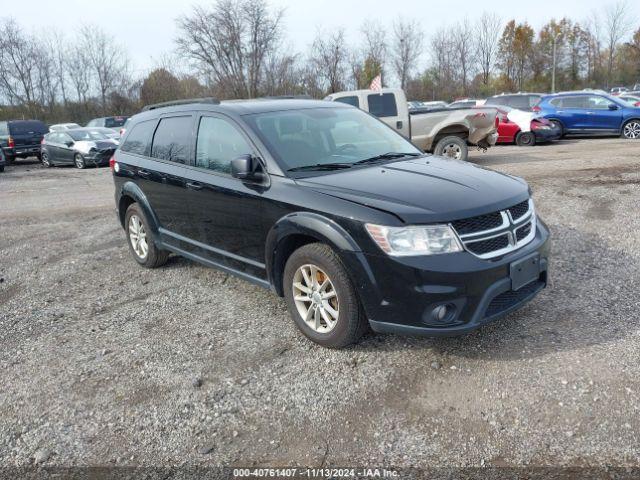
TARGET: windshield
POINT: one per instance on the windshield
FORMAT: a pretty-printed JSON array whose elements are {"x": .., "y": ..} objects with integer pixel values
[
  {"x": 320, "y": 136},
  {"x": 84, "y": 135}
]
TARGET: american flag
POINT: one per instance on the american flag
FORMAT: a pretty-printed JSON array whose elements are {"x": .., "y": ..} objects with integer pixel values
[{"x": 376, "y": 84}]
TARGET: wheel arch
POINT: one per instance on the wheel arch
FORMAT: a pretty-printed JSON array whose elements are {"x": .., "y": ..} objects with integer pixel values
[
  {"x": 627, "y": 120},
  {"x": 131, "y": 193},
  {"x": 456, "y": 130},
  {"x": 295, "y": 230}
]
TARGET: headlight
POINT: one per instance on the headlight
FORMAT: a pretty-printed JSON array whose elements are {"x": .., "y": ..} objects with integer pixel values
[{"x": 407, "y": 241}]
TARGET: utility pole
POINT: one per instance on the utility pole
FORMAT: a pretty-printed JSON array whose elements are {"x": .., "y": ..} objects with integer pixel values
[{"x": 553, "y": 68}]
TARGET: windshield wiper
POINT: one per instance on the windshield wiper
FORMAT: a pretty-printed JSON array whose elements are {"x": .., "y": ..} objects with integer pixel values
[
  {"x": 387, "y": 156},
  {"x": 321, "y": 166}
]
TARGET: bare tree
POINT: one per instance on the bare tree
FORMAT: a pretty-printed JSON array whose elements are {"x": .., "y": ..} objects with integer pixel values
[
  {"x": 443, "y": 61},
  {"x": 329, "y": 56},
  {"x": 617, "y": 24},
  {"x": 76, "y": 60},
  {"x": 406, "y": 47},
  {"x": 18, "y": 73},
  {"x": 486, "y": 40},
  {"x": 107, "y": 62},
  {"x": 231, "y": 41},
  {"x": 463, "y": 46}
]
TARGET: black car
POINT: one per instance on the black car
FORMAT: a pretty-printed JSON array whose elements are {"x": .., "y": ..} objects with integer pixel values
[
  {"x": 21, "y": 138},
  {"x": 521, "y": 101},
  {"x": 333, "y": 210},
  {"x": 3, "y": 161},
  {"x": 80, "y": 147},
  {"x": 114, "y": 123}
]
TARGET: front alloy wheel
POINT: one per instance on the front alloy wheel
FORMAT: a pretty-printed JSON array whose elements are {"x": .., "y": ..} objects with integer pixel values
[
  {"x": 138, "y": 237},
  {"x": 78, "y": 160},
  {"x": 631, "y": 130},
  {"x": 316, "y": 298}
]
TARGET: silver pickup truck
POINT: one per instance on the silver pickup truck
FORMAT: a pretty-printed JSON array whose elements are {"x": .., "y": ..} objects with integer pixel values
[{"x": 447, "y": 132}]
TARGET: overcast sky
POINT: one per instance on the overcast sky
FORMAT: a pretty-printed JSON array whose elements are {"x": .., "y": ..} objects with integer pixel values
[{"x": 147, "y": 27}]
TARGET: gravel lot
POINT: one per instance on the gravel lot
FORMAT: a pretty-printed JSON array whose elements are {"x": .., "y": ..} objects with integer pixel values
[{"x": 105, "y": 363}]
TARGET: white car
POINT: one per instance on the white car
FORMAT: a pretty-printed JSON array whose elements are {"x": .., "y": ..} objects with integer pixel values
[{"x": 63, "y": 126}]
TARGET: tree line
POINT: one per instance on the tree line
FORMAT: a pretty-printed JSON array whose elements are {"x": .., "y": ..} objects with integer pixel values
[{"x": 239, "y": 49}]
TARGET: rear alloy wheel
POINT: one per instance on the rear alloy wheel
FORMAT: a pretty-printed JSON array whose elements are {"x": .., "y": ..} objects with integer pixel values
[
  {"x": 321, "y": 298},
  {"x": 44, "y": 158},
  {"x": 631, "y": 129},
  {"x": 525, "y": 139},
  {"x": 452, "y": 147},
  {"x": 78, "y": 161},
  {"x": 558, "y": 125},
  {"x": 141, "y": 241}
]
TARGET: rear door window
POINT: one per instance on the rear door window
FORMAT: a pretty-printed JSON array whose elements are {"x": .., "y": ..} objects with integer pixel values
[
  {"x": 573, "y": 102},
  {"x": 138, "y": 141},
  {"x": 521, "y": 102},
  {"x": 172, "y": 140},
  {"x": 383, "y": 105},
  {"x": 4, "y": 129},
  {"x": 352, "y": 100}
]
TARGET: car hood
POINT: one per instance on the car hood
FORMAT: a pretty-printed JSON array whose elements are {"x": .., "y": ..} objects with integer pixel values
[{"x": 424, "y": 190}]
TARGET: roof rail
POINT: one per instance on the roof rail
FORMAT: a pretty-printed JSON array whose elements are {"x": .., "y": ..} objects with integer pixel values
[
  {"x": 186, "y": 101},
  {"x": 302, "y": 96}
]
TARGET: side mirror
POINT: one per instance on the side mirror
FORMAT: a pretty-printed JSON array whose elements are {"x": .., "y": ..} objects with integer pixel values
[
  {"x": 247, "y": 167},
  {"x": 69, "y": 144},
  {"x": 613, "y": 106}
]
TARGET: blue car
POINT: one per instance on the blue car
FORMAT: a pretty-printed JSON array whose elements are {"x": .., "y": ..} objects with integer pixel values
[{"x": 589, "y": 113}]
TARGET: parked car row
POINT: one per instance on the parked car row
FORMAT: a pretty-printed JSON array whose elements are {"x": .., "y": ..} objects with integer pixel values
[
  {"x": 587, "y": 112},
  {"x": 62, "y": 143}
]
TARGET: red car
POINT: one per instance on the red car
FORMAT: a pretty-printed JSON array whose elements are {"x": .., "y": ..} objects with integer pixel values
[{"x": 524, "y": 128}]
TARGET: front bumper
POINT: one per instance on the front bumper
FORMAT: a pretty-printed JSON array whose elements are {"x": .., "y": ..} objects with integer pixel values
[
  {"x": 98, "y": 159},
  {"x": 399, "y": 295}
]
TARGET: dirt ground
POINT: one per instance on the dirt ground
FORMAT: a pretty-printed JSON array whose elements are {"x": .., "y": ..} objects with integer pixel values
[{"x": 105, "y": 363}]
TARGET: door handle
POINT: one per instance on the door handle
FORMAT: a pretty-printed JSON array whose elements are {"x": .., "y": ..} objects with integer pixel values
[
  {"x": 194, "y": 186},
  {"x": 590, "y": 113},
  {"x": 144, "y": 173},
  {"x": 399, "y": 124}
]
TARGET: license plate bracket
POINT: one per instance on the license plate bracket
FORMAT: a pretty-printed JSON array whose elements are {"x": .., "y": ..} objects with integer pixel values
[{"x": 524, "y": 271}]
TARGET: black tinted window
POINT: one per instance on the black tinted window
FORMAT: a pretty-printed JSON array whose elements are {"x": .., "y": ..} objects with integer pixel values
[
  {"x": 219, "y": 142},
  {"x": 114, "y": 122},
  {"x": 172, "y": 139},
  {"x": 22, "y": 127},
  {"x": 521, "y": 102},
  {"x": 383, "y": 105},
  {"x": 355, "y": 101},
  {"x": 138, "y": 140},
  {"x": 571, "y": 102}
]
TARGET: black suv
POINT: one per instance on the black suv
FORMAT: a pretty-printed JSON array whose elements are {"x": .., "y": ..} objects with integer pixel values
[
  {"x": 333, "y": 210},
  {"x": 21, "y": 138},
  {"x": 521, "y": 101}
]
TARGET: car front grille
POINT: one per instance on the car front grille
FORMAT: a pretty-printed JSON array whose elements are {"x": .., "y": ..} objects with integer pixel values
[
  {"x": 478, "y": 224},
  {"x": 511, "y": 298},
  {"x": 519, "y": 210},
  {"x": 498, "y": 233}
]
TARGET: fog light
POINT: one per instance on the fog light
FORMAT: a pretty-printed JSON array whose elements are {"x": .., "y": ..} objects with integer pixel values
[{"x": 443, "y": 313}]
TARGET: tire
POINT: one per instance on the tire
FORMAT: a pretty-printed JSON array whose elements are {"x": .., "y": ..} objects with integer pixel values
[
  {"x": 452, "y": 147},
  {"x": 78, "y": 161},
  {"x": 631, "y": 130},
  {"x": 147, "y": 254},
  {"x": 347, "y": 322},
  {"x": 559, "y": 125},
  {"x": 44, "y": 158},
  {"x": 525, "y": 139}
]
